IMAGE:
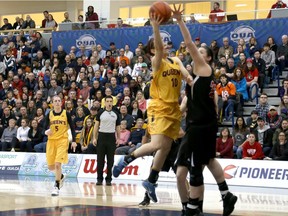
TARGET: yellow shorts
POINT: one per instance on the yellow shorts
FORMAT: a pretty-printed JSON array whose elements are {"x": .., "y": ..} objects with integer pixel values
[
  {"x": 164, "y": 119},
  {"x": 57, "y": 151}
]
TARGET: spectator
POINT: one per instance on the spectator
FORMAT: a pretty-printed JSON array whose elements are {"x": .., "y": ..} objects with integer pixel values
[
  {"x": 253, "y": 46},
  {"x": 278, "y": 4},
  {"x": 261, "y": 66},
  {"x": 121, "y": 24},
  {"x": 86, "y": 137},
  {"x": 51, "y": 23},
  {"x": 239, "y": 81},
  {"x": 242, "y": 61},
  {"x": 263, "y": 106},
  {"x": 137, "y": 67},
  {"x": 282, "y": 128},
  {"x": 6, "y": 116},
  {"x": 135, "y": 111},
  {"x": 273, "y": 119},
  {"x": 9, "y": 133},
  {"x": 192, "y": 19},
  {"x": 122, "y": 57},
  {"x": 283, "y": 107},
  {"x": 54, "y": 90},
  {"x": 252, "y": 149},
  {"x": 216, "y": 15},
  {"x": 35, "y": 136},
  {"x": 82, "y": 52},
  {"x": 134, "y": 139},
  {"x": 66, "y": 18},
  {"x": 114, "y": 51},
  {"x": 127, "y": 53},
  {"x": 80, "y": 24},
  {"x": 92, "y": 18},
  {"x": 78, "y": 122},
  {"x": 100, "y": 52},
  {"x": 282, "y": 54},
  {"x": 280, "y": 149},
  {"x": 215, "y": 49},
  {"x": 9, "y": 61},
  {"x": 6, "y": 25},
  {"x": 17, "y": 24},
  {"x": 269, "y": 57},
  {"x": 4, "y": 46},
  {"x": 239, "y": 50},
  {"x": 251, "y": 74},
  {"x": 239, "y": 135},
  {"x": 226, "y": 50},
  {"x": 21, "y": 138},
  {"x": 124, "y": 135},
  {"x": 46, "y": 14},
  {"x": 263, "y": 136},
  {"x": 283, "y": 90},
  {"x": 125, "y": 116},
  {"x": 108, "y": 92},
  {"x": 226, "y": 96},
  {"x": 28, "y": 23},
  {"x": 271, "y": 42},
  {"x": 224, "y": 144}
]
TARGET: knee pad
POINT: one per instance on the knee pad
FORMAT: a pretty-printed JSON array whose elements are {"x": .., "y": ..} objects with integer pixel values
[{"x": 196, "y": 177}]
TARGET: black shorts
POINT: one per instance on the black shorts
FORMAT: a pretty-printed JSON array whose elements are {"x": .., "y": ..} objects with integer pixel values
[
  {"x": 198, "y": 145},
  {"x": 170, "y": 160}
]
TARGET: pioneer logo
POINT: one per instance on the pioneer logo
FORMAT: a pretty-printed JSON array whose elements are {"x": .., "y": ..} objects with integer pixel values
[
  {"x": 230, "y": 171},
  {"x": 90, "y": 166}
]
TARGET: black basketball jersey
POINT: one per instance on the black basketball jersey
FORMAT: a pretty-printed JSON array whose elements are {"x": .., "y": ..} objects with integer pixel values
[{"x": 200, "y": 103}]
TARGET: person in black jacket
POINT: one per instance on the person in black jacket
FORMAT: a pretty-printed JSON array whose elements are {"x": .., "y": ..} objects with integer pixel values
[
  {"x": 261, "y": 66},
  {"x": 35, "y": 136},
  {"x": 280, "y": 149}
]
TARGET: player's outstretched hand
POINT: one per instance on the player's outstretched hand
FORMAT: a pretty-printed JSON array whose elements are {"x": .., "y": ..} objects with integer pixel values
[
  {"x": 155, "y": 19},
  {"x": 177, "y": 12}
]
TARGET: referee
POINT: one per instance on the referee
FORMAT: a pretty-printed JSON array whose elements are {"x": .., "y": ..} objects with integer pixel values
[{"x": 107, "y": 122}]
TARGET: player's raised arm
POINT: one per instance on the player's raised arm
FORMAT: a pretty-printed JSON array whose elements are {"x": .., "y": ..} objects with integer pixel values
[
  {"x": 158, "y": 43},
  {"x": 200, "y": 65}
]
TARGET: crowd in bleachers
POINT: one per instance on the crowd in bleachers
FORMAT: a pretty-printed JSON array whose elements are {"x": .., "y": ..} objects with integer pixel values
[{"x": 30, "y": 77}]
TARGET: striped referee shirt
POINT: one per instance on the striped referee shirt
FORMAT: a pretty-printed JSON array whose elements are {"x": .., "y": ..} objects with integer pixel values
[{"x": 108, "y": 121}]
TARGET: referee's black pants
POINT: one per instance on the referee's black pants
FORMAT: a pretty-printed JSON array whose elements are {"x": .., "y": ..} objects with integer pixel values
[{"x": 106, "y": 145}]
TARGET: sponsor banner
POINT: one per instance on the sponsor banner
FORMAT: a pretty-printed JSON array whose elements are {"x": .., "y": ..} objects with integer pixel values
[
  {"x": 10, "y": 162},
  {"x": 35, "y": 164},
  {"x": 252, "y": 173},
  {"x": 137, "y": 170},
  {"x": 261, "y": 29}
]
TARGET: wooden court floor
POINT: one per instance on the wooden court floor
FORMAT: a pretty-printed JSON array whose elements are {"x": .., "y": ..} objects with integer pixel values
[{"x": 28, "y": 195}]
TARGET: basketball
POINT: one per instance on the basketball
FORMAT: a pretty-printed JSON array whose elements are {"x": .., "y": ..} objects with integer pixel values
[{"x": 161, "y": 9}]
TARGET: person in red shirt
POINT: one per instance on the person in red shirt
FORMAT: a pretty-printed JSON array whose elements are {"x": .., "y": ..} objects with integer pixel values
[
  {"x": 251, "y": 75},
  {"x": 224, "y": 144},
  {"x": 252, "y": 149},
  {"x": 92, "y": 16},
  {"x": 278, "y": 4},
  {"x": 217, "y": 15}
]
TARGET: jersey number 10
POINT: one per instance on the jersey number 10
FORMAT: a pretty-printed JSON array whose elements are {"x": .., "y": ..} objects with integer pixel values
[{"x": 174, "y": 82}]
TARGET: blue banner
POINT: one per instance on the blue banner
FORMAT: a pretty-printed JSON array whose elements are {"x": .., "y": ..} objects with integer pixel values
[{"x": 261, "y": 29}]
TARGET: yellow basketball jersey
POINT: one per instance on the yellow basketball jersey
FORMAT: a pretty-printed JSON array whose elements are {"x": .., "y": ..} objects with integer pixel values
[
  {"x": 58, "y": 125},
  {"x": 166, "y": 83}
]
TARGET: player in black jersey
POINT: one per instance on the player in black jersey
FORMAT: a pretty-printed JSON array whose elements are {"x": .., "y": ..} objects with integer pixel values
[{"x": 198, "y": 146}]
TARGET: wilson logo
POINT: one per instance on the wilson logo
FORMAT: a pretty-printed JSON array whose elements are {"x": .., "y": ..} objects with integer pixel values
[{"x": 91, "y": 167}]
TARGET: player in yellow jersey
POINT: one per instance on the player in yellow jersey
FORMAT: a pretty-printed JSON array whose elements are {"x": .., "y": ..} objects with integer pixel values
[
  {"x": 58, "y": 122},
  {"x": 163, "y": 112}
]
